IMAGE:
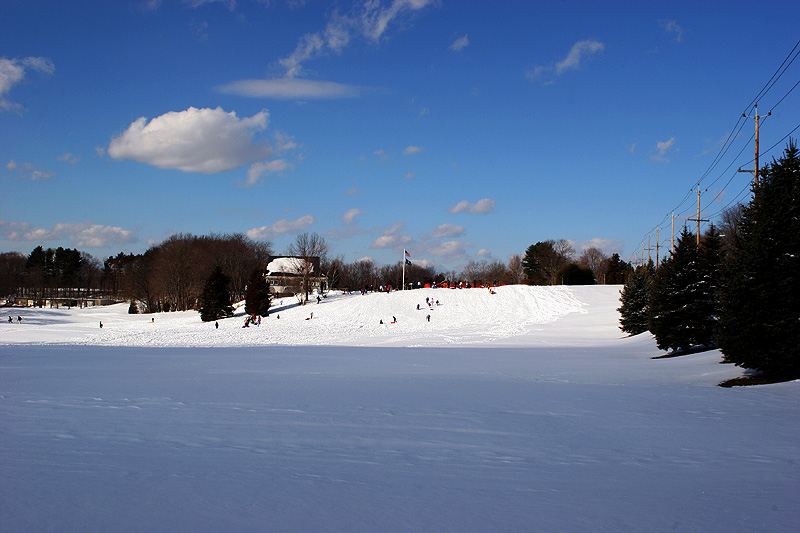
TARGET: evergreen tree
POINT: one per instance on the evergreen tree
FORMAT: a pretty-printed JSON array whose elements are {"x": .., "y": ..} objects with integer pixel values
[
  {"x": 760, "y": 277},
  {"x": 679, "y": 301},
  {"x": 634, "y": 297},
  {"x": 531, "y": 265},
  {"x": 617, "y": 271},
  {"x": 215, "y": 300},
  {"x": 574, "y": 274},
  {"x": 257, "y": 295}
]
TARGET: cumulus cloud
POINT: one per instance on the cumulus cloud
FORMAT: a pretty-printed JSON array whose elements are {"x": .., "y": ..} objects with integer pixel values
[
  {"x": 291, "y": 89},
  {"x": 280, "y": 227},
  {"x": 483, "y": 252},
  {"x": 450, "y": 250},
  {"x": 195, "y": 140},
  {"x": 83, "y": 234},
  {"x": 392, "y": 238},
  {"x": 579, "y": 52},
  {"x": 661, "y": 150},
  {"x": 607, "y": 246},
  {"x": 411, "y": 150},
  {"x": 28, "y": 171},
  {"x": 459, "y": 44},
  {"x": 12, "y": 71},
  {"x": 447, "y": 230},
  {"x": 483, "y": 206}
]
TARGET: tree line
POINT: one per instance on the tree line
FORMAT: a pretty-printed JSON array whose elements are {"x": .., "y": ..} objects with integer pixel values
[{"x": 738, "y": 288}]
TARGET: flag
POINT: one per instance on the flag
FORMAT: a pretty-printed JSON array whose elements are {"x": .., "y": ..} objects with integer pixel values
[
  {"x": 406, "y": 252},
  {"x": 408, "y": 262}
]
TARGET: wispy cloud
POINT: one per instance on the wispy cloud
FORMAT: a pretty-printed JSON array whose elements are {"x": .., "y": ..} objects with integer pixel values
[
  {"x": 483, "y": 206},
  {"x": 368, "y": 19},
  {"x": 459, "y": 44},
  {"x": 292, "y": 89},
  {"x": 280, "y": 227},
  {"x": 70, "y": 158},
  {"x": 83, "y": 234},
  {"x": 28, "y": 171},
  {"x": 411, "y": 150},
  {"x": 672, "y": 27},
  {"x": 662, "y": 149},
  {"x": 12, "y": 71},
  {"x": 579, "y": 52}
]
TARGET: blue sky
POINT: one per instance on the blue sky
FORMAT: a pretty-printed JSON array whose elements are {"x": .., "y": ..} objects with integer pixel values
[{"x": 457, "y": 130}]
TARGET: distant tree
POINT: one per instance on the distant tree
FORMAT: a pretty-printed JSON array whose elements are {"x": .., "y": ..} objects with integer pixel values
[
  {"x": 257, "y": 297},
  {"x": 543, "y": 260},
  {"x": 514, "y": 271},
  {"x": 634, "y": 298},
  {"x": 574, "y": 274},
  {"x": 304, "y": 249},
  {"x": 760, "y": 276},
  {"x": 215, "y": 300},
  {"x": 616, "y": 271},
  {"x": 12, "y": 268},
  {"x": 594, "y": 259}
]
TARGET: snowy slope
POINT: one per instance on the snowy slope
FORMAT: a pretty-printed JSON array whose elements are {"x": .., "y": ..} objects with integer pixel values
[
  {"x": 462, "y": 316},
  {"x": 521, "y": 411}
]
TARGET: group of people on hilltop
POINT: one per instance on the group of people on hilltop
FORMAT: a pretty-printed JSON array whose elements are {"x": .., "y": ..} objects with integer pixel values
[{"x": 253, "y": 319}]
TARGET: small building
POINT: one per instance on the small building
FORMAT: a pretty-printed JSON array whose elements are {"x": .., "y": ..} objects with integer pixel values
[{"x": 286, "y": 275}]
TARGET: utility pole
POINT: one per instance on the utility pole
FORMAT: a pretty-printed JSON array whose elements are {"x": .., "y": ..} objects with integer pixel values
[
  {"x": 698, "y": 219},
  {"x": 672, "y": 250},
  {"x": 657, "y": 243},
  {"x": 755, "y": 172}
]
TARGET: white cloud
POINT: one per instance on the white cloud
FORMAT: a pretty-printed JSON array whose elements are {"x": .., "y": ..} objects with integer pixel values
[
  {"x": 662, "y": 147},
  {"x": 459, "y": 44},
  {"x": 447, "y": 230},
  {"x": 83, "y": 234},
  {"x": 578, "y": 53},
  {"x": 483, "y": 252},
  {"x": 12, "y": 71},
  {"x": 392, "y": 237},
  {"x": 67, "y": 157},
  {"x": 291, "y": 89},
  {"x": 483, "y": 206},
  {"x": 350, "y": 216},
  {"x": 411, "y": 150},
  {"x": 27, "y": 171},
  {"x": 280, "y": 227},
  {"x": 450, "y": 250},
  {"x": 195, "y": 140},
  {"x": 607, "y": 246},
  {"x": 672, "y": 26},
  {"x": 369, "y": 19},
  {"x": 257, "y": 170}
]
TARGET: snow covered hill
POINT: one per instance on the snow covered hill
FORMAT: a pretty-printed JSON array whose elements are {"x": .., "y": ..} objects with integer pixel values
[{"x": 512, "y": 315}]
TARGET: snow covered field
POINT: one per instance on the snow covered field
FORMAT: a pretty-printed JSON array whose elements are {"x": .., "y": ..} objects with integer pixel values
[{"x": 525, "y": 410}]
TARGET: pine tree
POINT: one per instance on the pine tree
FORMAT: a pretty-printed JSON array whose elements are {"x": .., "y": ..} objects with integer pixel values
[
  {"x": 634, "y": 298},
  {"x": 679, "y": 301},
  {"x": 257, "y": 295},
  {"x": 760, "y": 281},
  {"x": 215, "y": 300}
]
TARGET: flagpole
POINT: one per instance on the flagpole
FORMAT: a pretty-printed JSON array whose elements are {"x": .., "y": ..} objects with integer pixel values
[{"x": 404, "y": 269}]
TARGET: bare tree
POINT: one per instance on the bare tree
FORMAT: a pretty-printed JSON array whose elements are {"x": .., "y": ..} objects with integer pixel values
[
  {"x": 308, "y": 250},
  {"x": 514, "y": 271},
  {"x": 593, "y": 259}
]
